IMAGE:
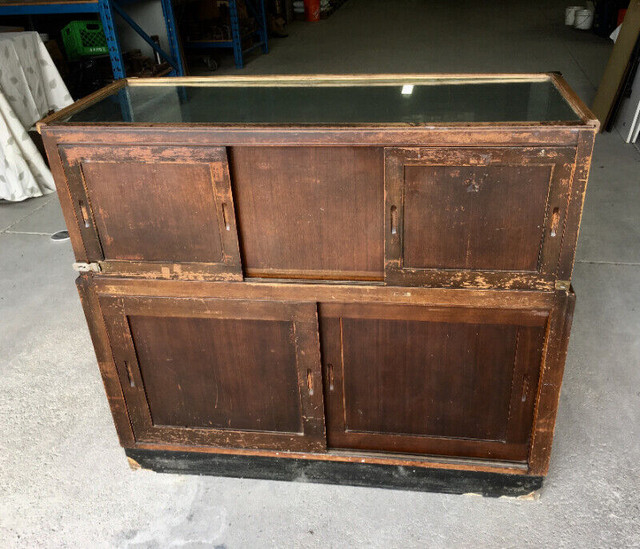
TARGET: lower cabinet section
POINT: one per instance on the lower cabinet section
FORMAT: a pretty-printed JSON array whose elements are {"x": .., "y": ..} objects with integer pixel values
[{"x": 431, "y": 376}]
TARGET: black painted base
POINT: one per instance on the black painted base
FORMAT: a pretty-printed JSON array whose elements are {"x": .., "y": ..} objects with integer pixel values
[{"x": 337, "y": 472}]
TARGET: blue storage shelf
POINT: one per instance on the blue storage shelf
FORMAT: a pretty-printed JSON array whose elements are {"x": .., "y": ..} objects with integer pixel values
[
  {"x": 256, "y": 7},
  {"x": 106, "y": 10}
]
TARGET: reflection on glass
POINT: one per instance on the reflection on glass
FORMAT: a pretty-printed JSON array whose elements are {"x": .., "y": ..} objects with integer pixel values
[
  {"x": 415, "y": 104},
  {"x": 407, "y": 89}
]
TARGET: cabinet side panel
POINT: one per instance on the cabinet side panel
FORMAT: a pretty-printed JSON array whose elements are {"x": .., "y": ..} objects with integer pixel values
[
  {"x": 574, "y": 215},
  {"x": 108, "y": 370},
  {"x": 550, "y": 384},
  {"x": 64, "y": 196},
  {"x": 314, "y": 212}
]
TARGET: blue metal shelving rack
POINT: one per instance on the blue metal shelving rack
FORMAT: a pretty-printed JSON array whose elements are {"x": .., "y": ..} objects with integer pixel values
[
  {"x": 256, "y": 7},
  {"x": 106, "y": 10}
]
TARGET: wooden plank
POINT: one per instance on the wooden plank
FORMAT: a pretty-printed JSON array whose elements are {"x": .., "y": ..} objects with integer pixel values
[
  {"x": 346, "y": 79},
  {"x": 429, "y": 462},
  {"x": 218, "y": 308},
  {"x": 489, "y": 134},
  {"x": 577, "y": 196},
  {"x": 458, "y": 315},
  {"x": 574, "y": 100},
  {"x": 102, "y": 347},
  {"x": 172, "y": 271},
  {"x": 66, "y": 198},
  {"x": 80, "y": 104},
  {"x": 614, "y": 73},
  {"x": 323, "y": 275},
  {"x": 557, "y": 342},
  {"x": 326, "y": 293}
]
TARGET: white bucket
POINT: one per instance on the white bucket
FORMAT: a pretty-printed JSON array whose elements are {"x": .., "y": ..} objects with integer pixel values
[
  {"x": 570, "y": 15},
  {"x": 584, "y": 19}
]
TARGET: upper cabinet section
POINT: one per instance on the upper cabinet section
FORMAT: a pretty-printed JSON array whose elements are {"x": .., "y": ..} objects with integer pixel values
[
  {"x": 457, "y": 181},
  {"x": 154, "y": 211}
]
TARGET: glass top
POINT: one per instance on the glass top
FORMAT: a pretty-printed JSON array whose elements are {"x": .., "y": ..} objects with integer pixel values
[{"x": 331, "y": 103}]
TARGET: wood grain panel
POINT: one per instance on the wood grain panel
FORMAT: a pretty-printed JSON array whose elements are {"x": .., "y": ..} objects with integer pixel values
[
  {"x": 548, "y": 395},
  {"x": 574, "y": 215},
  {"x": 433, "y": 386},
  {"x": 139, "y": 216},
  {"x": 155, "y": 212},
  {"x": 215, "y": 373},
  {"x": 403, "y": 377},
  {"x": 233, "y": 373},
  {"x": 506, "y": 300},
  {"x": 482, "y": 217},
  {"x": 101, "y": 344},
  {"x": 314, "y": 212},
  {"x": 465, "y": 217}
]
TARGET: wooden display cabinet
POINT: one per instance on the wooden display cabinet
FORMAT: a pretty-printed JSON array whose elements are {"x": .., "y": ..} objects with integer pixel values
[{"x": 330, "y": 277}]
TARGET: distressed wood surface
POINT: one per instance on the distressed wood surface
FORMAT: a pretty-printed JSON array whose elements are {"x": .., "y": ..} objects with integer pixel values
[
  {"x": 374, "y": 293},
  {"x": 573, "y": 218},
  {"x": 68, "y": 198},
  {"x": 466, "y": 315},
  {"x": 479, "y": 217},
  {"x": 154, "y": 211},
  {"x": 481, "y": 135},
  {"x": 314, "y": 213},
  {"x": 328, "y": 293},
  {"x": 379, "y": 458},
  {"x": 103, "y": 350},
  {"x": 548, "y": 397},
  {"x": 219, "y": 372},
  {"x": 420, "y": 383}
]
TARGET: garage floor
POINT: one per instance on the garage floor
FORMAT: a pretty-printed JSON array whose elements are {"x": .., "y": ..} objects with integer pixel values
[{"x": 64, "y": 481}]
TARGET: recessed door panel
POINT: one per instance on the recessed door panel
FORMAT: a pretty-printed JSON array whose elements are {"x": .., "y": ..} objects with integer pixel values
[
  {"x": 141, "y": 218},
  {"x": 467, "y": 217},
  {"x": 419, "y": 366},
  {"x": 433, "y": 381},
  {"x": 219, "y": 372},
  {"x": 152, "y": 211}
]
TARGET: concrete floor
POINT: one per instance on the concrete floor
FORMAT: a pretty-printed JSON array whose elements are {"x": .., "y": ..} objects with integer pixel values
[{"x": 64, "y": 481}]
